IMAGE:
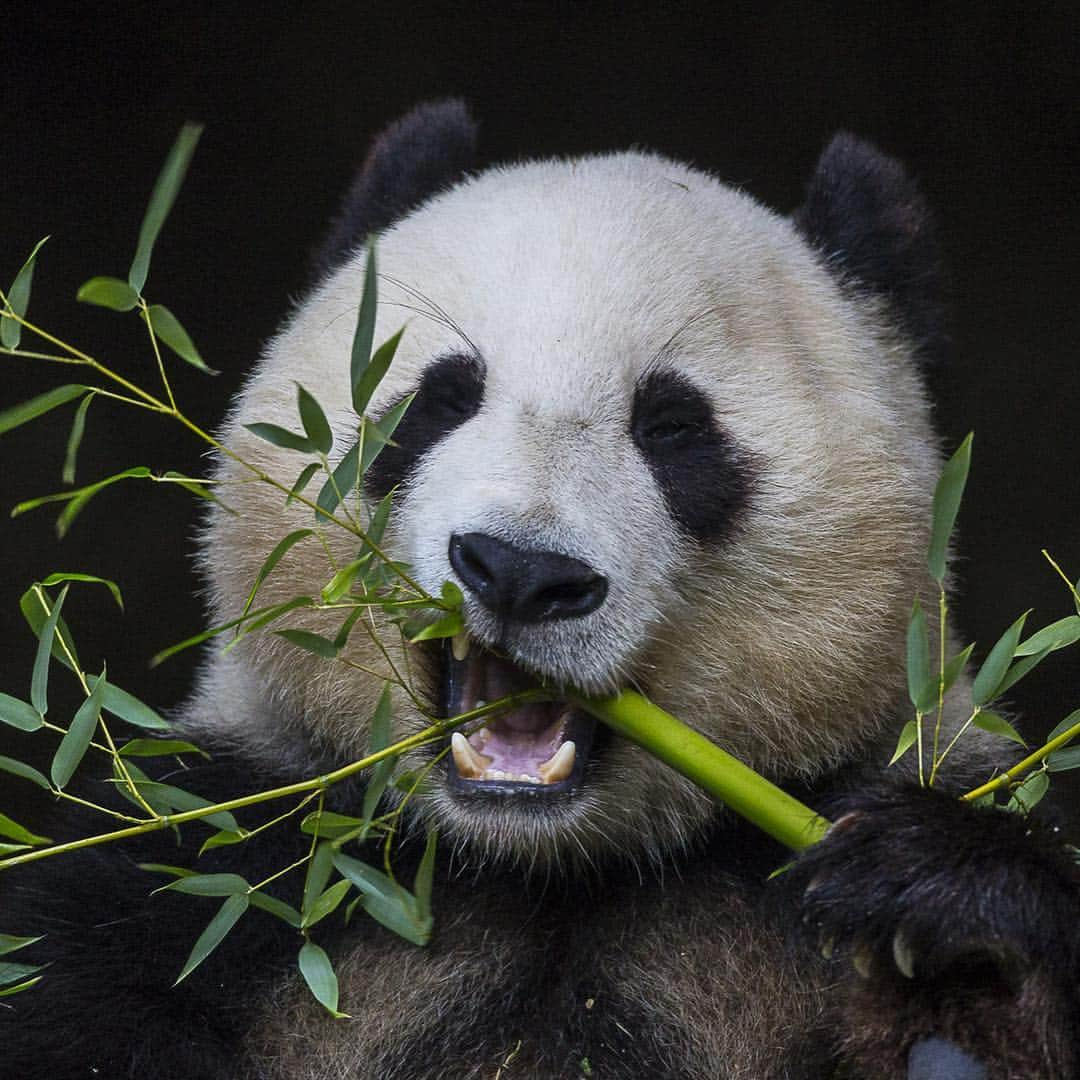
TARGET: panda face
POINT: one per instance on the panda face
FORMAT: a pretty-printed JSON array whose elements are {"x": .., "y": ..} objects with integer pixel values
[{"x": 657, "y": 446}]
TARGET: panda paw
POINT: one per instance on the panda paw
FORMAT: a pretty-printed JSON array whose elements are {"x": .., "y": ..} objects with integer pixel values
[{"x": 946, "y": 924}]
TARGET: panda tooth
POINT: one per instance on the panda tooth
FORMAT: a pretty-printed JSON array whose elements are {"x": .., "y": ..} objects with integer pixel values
[
  {"x": 470, "y": 763},
  {"x": 559, "y": 765},
  {"x": 459, "y": 645}
]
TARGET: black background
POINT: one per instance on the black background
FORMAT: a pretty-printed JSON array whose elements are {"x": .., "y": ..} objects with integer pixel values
[{"x": 982, "y": 109}]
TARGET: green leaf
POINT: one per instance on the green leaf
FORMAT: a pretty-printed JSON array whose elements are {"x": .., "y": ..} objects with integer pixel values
[
  {"x": 379, "y": 434},
  {"x": 161, "y": 201},
  {"x": 164, "y": 868},
  {"x": 385, "y": 900},
  {"x": 76, "y": 500},
  {"x": 303, "y": 480},
  {"x": 1027, "y": 795},
  {"x": 316, "y": 426},
  {"x": 996, "y": 665},
  {"x": 78, "y": 426},
  {"x": 340, "y": 584},
  {"x": 340, "y": 482},
  {"x": 222, "y": 838},
  {"x": 13, "y": 973},
  {"x": 311, "y": 642},
  {"x": 159, "y": 748},
  {"x": 129, "y": 708},
  {"x": 33, "y": 609},
  {"x": 87, "y": 579},
  {"x": 449, "y": 625},
  {"x": 272, "y": 560},
  {"x": 374, "y": 372},
  {"x": 167, "y": 327},
  {"x": 908, "y": 736},
  {"x": 39, "y": 679},
  {"x": 1070, "y": 721},
  {"x": 174, "y": 799},
  {"x": 1019, "y": 670},
  {"x": 227, "y": 917},
  {"x": 319, "y": 975},
  {"x": 380, "y": 739},
  {"x": 452, "y": 596},
  {"x": 209, "y": 885},
  {"x": 76, "y": 741},
  {"x": 947, "y": 496},
  {"x": 8, "y": 991},
  {"x": 1058, "y": 635},
  {"x": 997, "y": 725},
  {"x": 328, "y": 825},
  {"x": 425, "y": 874},
  {"x": 108, "y": 292},
  {"x": 18, "y": 300},
  {"x": 318, "y": 875},
  {"x": 364, "y": 336},
  {"x": 1063, "y": 760},
  {"x": 918, "y": 656},
  {"x": 26, "y": 411},
  {"x": 21, "y": 835},
  {"x": 27, "y": 772},
  {"x": 18, "y": 714},
  {"x": 281, "y": 437},
  {"x": 327, "y": 903},
  {"x": 278, "y": 908},
  {"x": 10, "y": 944}
]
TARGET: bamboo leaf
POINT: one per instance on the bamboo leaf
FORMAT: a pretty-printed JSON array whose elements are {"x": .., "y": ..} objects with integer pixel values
[
  {"x": 947, "y": 496},
  {"x": 129, "y": 708},
  {"x": 278, "y": 908},
  {"x": 20, "y": 834},
  {"x": 918, "y": 655},
  {"x": 381, "y": 432},
  {"x": 381, "y": 737},
  {"x": 8, "y": 991},
  {"x": 303, "y": 480},
  {"x": 1064, "y": 760},
  {"x": 316, "y": 426},
  {"x": 222, "y": 838},
  {"x": 385, "y": 900},
  {"x": 1058, "y": 635},
  {"x": 159, "y": 748},
  {"x": 10, "y": 944},
  {"x": 364, "y": 335},
  {"x": 319, "y": 975},
  {"x": 87, "y": 579},
  {"x": 1027, "y": 796},
  {"x": 449, "y": 625},
  {"x": 228, "y": 916},
  {"x": 173, "y": 799},
  {"x": 26, "y": 411},
  {"x": 908, "y": 736},
  {"x": 1019, "y": 670},
  {"x": 327, "y": 903},
  {"x": 340, "y": 482},
  {"x": 997, "y": 725},
  {"x": 18, "y": 300},
  {"x": 1070, "y": 721},
  {"x": 208, "y": 885},
  {"x": 76, "y": 740},
  {"x": 39, "y": 679},
  {"x": 425, "y": 875},
  {"x": 167, "y": 327},
  {"x": 995, "y": 666},
  {"x": 374, "y": 372},
  {"x": 27, "y": 772},
  {"x": 18, "y": 714},
  {"x": 310, "y": 642},
  {"x": 328, "y": 825},
  {"x": 377, "y": 525},
  {"x": 341, "y": 583},
  {"x": 281, "y": 437},
  {"x": 108, "y": 292},
  {"x": 272, "y": 560},
  {"x": 34, "y": 611},
  {"x": 78, "y": 427},
  {"x": 13, "y": 973},
  {"x": 318, "y": 875},
  {"x": 161, "y": 202}
]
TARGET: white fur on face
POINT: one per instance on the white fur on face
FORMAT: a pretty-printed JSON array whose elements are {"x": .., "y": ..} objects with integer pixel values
[{"x": 570, "y": 280}]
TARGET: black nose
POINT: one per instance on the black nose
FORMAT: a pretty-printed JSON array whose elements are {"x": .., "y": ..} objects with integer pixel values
[{"x": 523, "y": 585}]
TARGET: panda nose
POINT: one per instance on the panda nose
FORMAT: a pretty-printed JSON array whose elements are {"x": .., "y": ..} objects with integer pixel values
[{"x": 525, "y": 585}]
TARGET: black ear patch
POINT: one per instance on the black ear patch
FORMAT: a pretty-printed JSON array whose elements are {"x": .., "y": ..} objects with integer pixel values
[
  {"x": 422, "y": 153},
  {"x": 870, "y": 220}
]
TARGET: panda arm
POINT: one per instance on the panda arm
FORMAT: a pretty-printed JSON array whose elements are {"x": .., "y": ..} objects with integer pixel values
[
  {"x": 946, "y": 922},
  {"x": 106, "y": 1005}
]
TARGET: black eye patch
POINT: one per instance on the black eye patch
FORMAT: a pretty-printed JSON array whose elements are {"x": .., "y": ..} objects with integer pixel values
[
  {"x": 704, "y": 478},
  {"x": 451, "y": 391}
]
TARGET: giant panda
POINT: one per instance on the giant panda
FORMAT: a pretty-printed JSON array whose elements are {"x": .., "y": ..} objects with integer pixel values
[{"x": 663, "y": 438}]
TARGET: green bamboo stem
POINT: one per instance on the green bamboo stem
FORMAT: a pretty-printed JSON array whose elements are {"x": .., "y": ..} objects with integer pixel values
[{"x": 714, "y": 770}]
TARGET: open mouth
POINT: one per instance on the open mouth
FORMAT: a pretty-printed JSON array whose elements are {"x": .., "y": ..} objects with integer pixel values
[{"x": 538, "y": 747}]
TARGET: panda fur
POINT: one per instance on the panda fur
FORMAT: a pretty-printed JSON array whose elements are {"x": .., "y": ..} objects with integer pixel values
[{"x": 718, "y": 412}]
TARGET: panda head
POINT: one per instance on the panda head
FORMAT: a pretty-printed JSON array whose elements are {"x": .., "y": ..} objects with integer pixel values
[{"x": 662, "y": 438}]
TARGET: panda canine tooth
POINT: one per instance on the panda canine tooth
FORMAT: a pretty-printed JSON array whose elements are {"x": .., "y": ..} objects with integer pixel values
[
  {"x": 559, "y": 765},
  {"x": 459, "y": 645},
  {"x": 470, "y": 763}
]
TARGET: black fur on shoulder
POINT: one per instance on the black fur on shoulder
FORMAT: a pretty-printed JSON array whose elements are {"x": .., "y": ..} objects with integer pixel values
[
  {"x": 425, "y": 151},
  {"x": 947, "y": 921},
  {"x": 869, "y": 219}
]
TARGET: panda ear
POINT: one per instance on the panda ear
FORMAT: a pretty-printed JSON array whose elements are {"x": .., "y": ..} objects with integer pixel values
[
  {"x": 870, "y": 221},
  {"x": 423, "y": 152}
]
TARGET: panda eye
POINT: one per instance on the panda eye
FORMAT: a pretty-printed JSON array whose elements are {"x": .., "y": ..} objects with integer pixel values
[
  {"x": 672, "y": 429},
  {"x": 452, "y": 387}
]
